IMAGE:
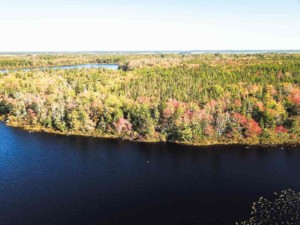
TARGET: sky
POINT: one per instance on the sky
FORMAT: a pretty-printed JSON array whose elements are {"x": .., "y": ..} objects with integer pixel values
[{"x": 140, "y": 25}]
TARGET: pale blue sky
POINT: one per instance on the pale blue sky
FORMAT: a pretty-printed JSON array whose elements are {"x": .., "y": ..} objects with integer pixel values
[{"x": 85, "y": 25}]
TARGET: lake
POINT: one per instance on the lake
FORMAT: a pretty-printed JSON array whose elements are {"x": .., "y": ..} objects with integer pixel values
[
  {"x": 69, "y": 180},
  {"x": 81, "y": 66}
]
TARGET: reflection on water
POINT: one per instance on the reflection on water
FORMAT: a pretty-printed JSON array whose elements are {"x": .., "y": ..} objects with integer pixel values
[
  {"x": 82, "y": 66},
  {"x": 53, "y": 180}
]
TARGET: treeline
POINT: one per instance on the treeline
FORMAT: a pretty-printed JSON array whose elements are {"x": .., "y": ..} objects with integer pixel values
[
  {"x": 126, "y": 62},
  {"x": 33, "y": 61},
  {"x": 198, "y": 99}
]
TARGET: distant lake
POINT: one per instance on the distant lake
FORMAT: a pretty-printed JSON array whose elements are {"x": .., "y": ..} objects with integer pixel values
[
  {"x": 81, "y": 66},
  {"x": 69, "y": 180}
]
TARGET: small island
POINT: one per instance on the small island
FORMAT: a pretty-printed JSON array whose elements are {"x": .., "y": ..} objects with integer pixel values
[{"x": 197, "y": 99}]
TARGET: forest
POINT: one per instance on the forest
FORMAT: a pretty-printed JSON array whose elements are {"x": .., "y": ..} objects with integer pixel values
[{"x": 198, "y": 99}]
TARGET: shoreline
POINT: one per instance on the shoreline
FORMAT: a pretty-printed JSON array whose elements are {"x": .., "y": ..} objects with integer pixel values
[
  {"x": 15, "y": 69},
  {"x": 31, "y": 129}
]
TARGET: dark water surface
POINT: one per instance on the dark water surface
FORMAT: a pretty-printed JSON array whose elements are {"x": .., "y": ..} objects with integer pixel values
[
  {"x": 59, "y": 180},
  {"x": 81, "y": 66}
]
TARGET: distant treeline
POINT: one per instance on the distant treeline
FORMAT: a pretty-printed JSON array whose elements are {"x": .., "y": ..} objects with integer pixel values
[{"x": 197, "y": 99}]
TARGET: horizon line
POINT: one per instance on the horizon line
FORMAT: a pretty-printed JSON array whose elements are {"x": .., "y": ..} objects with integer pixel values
[{"x": 152, "y": 51}]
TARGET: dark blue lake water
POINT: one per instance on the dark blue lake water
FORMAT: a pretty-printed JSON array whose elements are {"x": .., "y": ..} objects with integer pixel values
[
  {"x": 66, "y": 180},
  {"x": 82, "y": 66}
]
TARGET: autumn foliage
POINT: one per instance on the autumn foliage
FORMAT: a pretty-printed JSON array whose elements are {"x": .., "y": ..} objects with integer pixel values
[
  {"x": 280, "y": 129},
  {"x": 199, "y": 99},
  {"x": 251, "y": 126}
]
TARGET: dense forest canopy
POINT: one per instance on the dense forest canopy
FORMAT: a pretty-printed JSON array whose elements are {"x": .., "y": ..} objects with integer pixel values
[{"x": 199, "y": 99}]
